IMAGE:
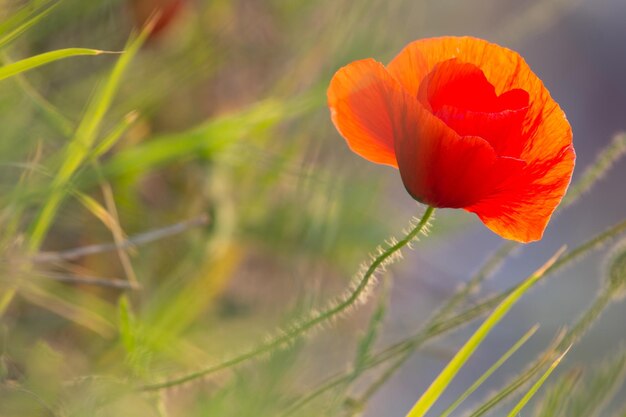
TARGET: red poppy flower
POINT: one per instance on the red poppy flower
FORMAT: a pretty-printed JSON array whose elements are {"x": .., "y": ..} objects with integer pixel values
[
  {"x": 467, "y": 123},
  {"x": 167, "y": 12}
]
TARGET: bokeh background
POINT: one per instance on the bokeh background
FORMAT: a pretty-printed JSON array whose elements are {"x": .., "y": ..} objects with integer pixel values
[{"x": 231, "y": 123}]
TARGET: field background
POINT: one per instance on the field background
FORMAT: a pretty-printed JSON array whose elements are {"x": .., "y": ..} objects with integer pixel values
[{"x": 226, "y": 119}]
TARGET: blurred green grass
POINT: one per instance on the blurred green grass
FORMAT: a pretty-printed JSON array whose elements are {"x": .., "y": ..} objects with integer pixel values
[{"x": 250, "y": 157}]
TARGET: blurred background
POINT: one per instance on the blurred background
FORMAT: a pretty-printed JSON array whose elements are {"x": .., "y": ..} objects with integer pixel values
[{"x": 226, "y": 130}]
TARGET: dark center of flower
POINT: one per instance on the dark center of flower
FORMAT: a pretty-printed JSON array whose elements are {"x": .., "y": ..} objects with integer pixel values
[{"x": 460, "y": 95}]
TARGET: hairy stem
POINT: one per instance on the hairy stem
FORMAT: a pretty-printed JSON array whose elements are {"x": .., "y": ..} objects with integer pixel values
[
  {"x": 300, "y": 328},
  {"x": 401, "y": 351}
]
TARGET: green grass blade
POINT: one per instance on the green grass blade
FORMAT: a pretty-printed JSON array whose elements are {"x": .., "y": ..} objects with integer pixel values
[
  {"x": 534, "y": 369},
  {"x": 79, "y": 147},
  {"x": 55, "y": 117},
  {"x": 207, "y": 138},
  {"x": 580, "y": 327},
  {"x": 16, "y": 18},
  {"x": 28, "y": 64},
  {"x": 490, "y": 371},
  {"x": 22, "y": 20},
  {"x": 515, "y": 412},
  {"x": 557, "y": 398},
  {"x": 438, "y": 386},
  {"x": 115, "y": 135},
  {"x": 594, "y": 395},
  {"x": 442, "y": 326},
  {"x": 127, "y": 325}
]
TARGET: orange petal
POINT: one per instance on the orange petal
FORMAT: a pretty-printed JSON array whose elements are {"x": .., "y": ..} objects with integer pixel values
[
  {"x": 546, "y": 129},
  {"x": 464, "y": 86},
  {"x": 501, "y": 66},
  {"x": 363, "y": 100},
  {"x": 460, "y": 95},
  {"x": 442, "y": 169},
  {"x": 520, "y": 207}
]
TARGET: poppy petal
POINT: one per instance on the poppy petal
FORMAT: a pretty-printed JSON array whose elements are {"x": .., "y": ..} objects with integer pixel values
[
  {"x": 464, "y": 86},
  {"x": 501, "y": 129},
  {"x": 460, "y": 95},
  {"x": 442, "y": 169},
  {"x": 503, "y": 68},
  {"x": 520, "y": 206},
  {"x": 546, "y": 130},
  {"x": 363, "y": 100}
]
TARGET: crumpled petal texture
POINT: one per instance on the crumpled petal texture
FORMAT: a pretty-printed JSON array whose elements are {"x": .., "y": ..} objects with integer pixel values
[{"x": 468, "y": 125}]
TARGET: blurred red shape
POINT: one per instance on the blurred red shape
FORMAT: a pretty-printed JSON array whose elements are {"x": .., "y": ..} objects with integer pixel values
[{"x": 165, "y": 10}]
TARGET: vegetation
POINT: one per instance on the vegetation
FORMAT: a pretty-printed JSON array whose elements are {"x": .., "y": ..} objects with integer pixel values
[{"x": 179, "y": 227}]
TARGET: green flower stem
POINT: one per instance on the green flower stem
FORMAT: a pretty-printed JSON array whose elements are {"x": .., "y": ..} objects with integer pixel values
[
  {"x": 403, "y": 350},
  {"x": 300, "y": 328}
]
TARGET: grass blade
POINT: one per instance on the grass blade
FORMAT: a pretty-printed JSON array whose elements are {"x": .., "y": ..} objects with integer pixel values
[
  {"x": 438, "y": 386},
  {"x": 75, "y": 313},
  {"x": 490, "y": 371},
  {"x": 115, "y": 135},
  {"x": 28, "y": 64},
  {"x": 208, "y": 138},
  {"x": 79, "y": 147},
  {"x": 441, "y": 326},
  {"x": 22, "y": 20},
  {"x": 61, "y": 123},
  {"x": 533, "y": 390}
]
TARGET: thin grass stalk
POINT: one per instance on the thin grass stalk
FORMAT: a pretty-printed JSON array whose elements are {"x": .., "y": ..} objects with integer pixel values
[
  {"x": 571, "y": 337},
  {"x": 536, "y": 386},
  {"x": 445, "y": 377},
  {"x": 490, "y": 371}
]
